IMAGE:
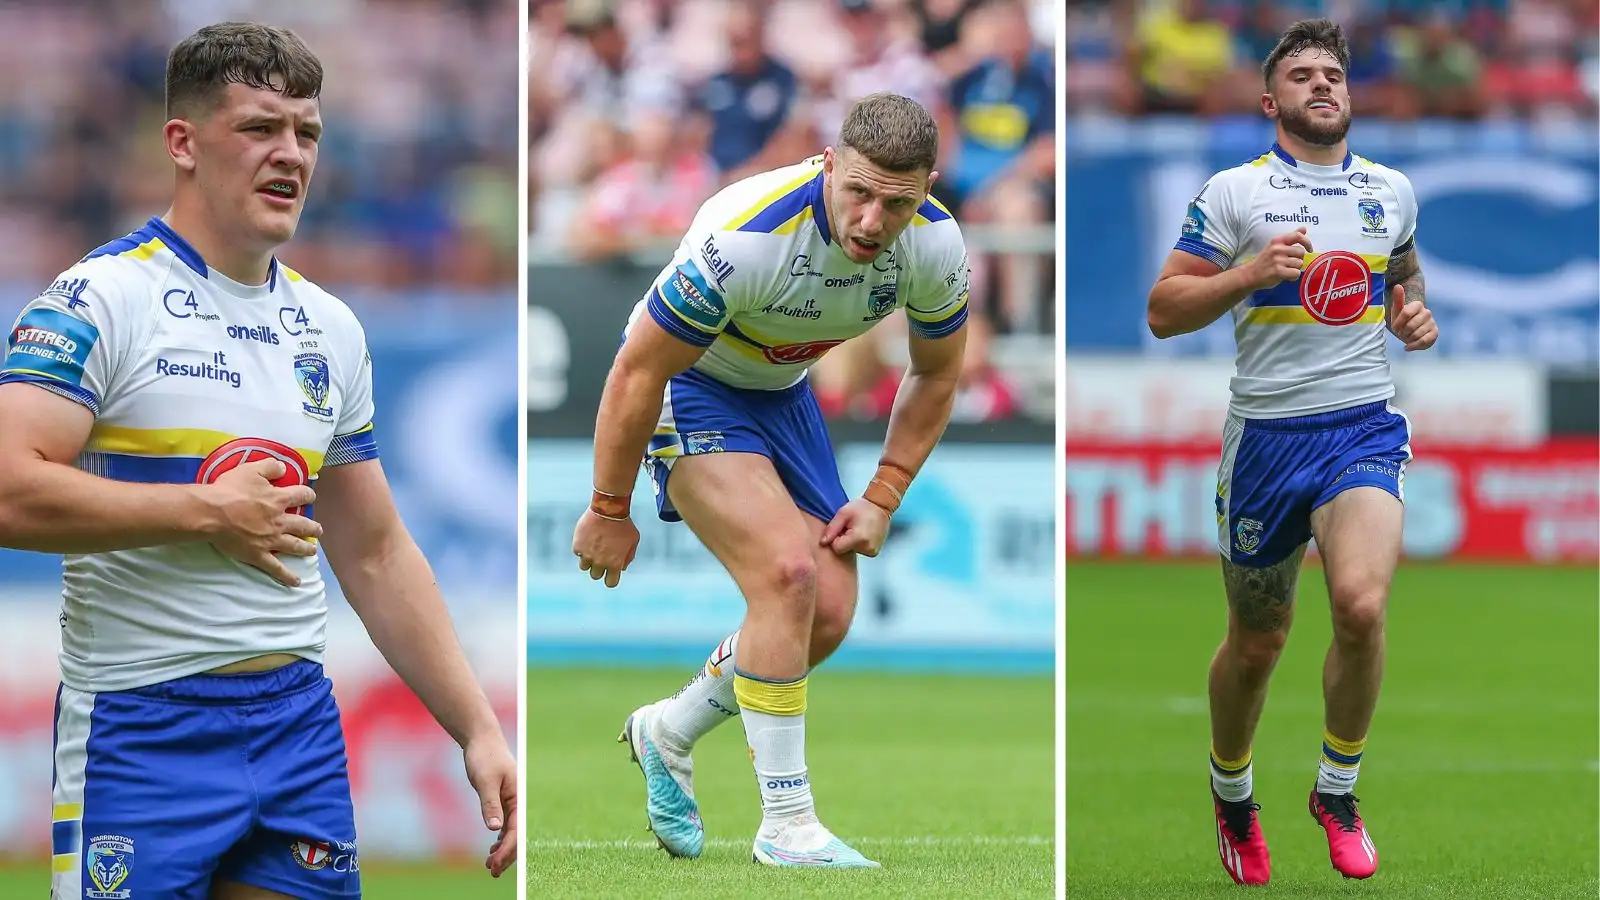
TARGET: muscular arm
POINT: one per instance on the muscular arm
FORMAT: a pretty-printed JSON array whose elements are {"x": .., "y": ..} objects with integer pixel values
[
  {"x": 391, "y": 587},
  {"x": 1405, "y": 270},
  {"x": 47, "y": 505},
  {"x": 927, "y": 394},
  {"x": 631, "y": 402},
  {"x": 1191, "y": 293}
]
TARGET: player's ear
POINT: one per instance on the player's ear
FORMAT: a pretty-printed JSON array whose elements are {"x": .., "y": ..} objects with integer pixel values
[
  {"x": 179, "y": 135},
  {"x": 827, "y": 160},
  {"x": 932, "y": 177},
  {"x": 1269, "y": 105}
]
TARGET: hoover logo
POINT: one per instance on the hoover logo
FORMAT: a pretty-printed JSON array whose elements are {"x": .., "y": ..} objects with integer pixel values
[{"x": 1335, "y": 288}]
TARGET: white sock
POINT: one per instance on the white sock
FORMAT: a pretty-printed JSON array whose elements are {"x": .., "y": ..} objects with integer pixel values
[
  {"x": 778, "y": 750},
  {"x": 705, "y": 702},
  {"x": 1339, "y": 765},
  {"x": 1232, "y": 779}
]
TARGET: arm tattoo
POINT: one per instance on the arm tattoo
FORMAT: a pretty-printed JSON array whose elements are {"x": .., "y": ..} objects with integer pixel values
[
  {"x": 1405, "y": 270},
  {"x": 1263, "y": 598}
]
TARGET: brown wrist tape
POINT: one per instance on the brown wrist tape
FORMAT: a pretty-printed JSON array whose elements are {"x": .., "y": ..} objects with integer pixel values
[
  {"x": 888, "y": 487},
  {"x": 610, "y": 506}
]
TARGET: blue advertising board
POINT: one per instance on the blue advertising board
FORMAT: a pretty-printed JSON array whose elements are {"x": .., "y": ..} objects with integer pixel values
[
  {"x": 445, "y": 387},
  {"x": 966, "y": 580},
  {"x": 1508, "y": 228}
]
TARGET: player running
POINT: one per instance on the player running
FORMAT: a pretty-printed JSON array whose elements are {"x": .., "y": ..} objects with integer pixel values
[
  {"x": 169, "y": 404},
  {"x": 710, "y": 388},
  {"x": 1313, "y": 250}
]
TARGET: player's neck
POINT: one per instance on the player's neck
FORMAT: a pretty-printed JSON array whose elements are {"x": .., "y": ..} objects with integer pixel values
[
  {"x": 247, "y": 267},
  {"x": 1313, "y": 154}
]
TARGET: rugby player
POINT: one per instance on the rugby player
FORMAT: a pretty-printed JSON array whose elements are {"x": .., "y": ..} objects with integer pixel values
[
  {"x": 169, "y": 404},
  {"x": 710, "y": 389},
  {"x": 1313, "y": 251}
]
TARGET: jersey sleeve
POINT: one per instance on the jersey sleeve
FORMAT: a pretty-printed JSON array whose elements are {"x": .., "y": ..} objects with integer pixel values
[
  {"x": 938, "y": 305},
  {"x": 1211, "y": 227},
  {"x": 1406, "y": 199},
  {"x": 70, "y": 339},
  {"x": 353, "y": 438},
  {"x": 695, "y": 295}
]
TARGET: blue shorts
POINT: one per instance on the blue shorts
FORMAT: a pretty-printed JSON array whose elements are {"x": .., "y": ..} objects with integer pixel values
[
  {"x": 161, "y": 790},
  {"x": 1276, "y": 471},
  {"x": 703, "y": 415}
]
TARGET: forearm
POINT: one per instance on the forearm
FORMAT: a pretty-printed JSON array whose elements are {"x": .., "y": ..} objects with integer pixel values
[
  {"x": 1415, "y": 288},
  {"x": 53, "y": 508},
  {"x": 629, "y": 408},
  {"x": 1180, "y": 304},
  {"x": 919, "y": 416},
  {"x": 394, "y": 592}
]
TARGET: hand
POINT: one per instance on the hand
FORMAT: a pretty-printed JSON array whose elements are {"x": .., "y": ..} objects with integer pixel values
[
  {"x": 256, "y": 524},
  {"x": 604, "y": 547},
  {"x": 1281, "y": 260},
  {"x": 1411, "y": 322},
  {"x": 859, "y": 527},
  {"x": 492, "y": 772}
]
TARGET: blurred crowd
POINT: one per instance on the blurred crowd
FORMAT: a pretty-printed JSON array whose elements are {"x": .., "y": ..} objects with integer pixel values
[
  {"x": 416, "y": 184},
  {"x": 641, "y": 109},
  {"x": 1458, "y": 59}
]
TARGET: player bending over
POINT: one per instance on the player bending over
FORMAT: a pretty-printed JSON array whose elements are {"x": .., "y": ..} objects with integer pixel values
[
  {"x": 168, "y": 404},
  {"x": 710, "y": 388},
  {"x": 1313, "y": 251}
]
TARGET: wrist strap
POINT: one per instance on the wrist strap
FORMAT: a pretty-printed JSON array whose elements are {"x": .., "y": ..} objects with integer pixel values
[
  {"x": 888, "y": 487},
  {"x": 610, "y": 506}
]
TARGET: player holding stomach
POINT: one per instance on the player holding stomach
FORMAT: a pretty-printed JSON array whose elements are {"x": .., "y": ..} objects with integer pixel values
[
  {"x": 710, "y": 388},
  {"x": 168, "y": 405},
  {"x": 1313, "y": 251}
]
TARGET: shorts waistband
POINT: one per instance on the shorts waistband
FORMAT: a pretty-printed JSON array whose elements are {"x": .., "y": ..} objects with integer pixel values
[
  {"x": 1338, "y": 418},
  {"x": 780, "y": 395},
  {"x": 284, "y": 680}
]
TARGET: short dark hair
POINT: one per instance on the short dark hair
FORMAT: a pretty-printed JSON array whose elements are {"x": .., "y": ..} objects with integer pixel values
[
  {"x": 893, "y": 132},
  {"x": 1323, "y": 34},
  {"x": 258, "y": 56}
]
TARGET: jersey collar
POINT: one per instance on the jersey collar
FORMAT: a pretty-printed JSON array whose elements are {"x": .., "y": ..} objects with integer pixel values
[
  {"x": 1279, "y": 152},
  {"x": 819, "y": 208},
  {"x": 191, "y": 257}
]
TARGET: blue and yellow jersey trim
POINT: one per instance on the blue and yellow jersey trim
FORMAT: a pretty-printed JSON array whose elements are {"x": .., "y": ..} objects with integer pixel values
[
  {"x": 156, "y": 235},
  {"x": 1280, "y": 304},
  {"x": 687, "y": 306},
  {"x": 783, "y": 209},
  {"x": 357, "y": 446},
  {"x": 162, "y": 455}
]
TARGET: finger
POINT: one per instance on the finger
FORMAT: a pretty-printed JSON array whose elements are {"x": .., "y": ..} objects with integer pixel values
[
  {"x": 300, "y": 526},
  {"x": 275, "y": 568},
  {"x": 1400, "y": 295},
  {"x": 597, "y": 571},
  {"x": 835, "y": 527},
  {"x": 584, "y": 562},
  {"x": 294, "y": 546},
  {"x": 296, "y": 496},
  {"x": 848, "y": 542},
  {"x": 489, "y": 800},
  {"x": 270, "y": 468},
  {"x": 613, "y": 578}
]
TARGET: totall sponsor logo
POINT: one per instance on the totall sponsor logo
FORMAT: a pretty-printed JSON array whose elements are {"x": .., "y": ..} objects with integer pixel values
[
  {"x": 236, "y": 453},
  {"x": 1335, "y": 287},
  {"x": 787, "y": 354}
]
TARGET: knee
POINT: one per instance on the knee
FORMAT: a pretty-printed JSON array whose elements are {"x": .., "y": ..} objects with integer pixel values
[
  {"x": 1257, "y": 651},
  {"x": 1358, "y": 615},
  {"x": 794, "y": 583}
]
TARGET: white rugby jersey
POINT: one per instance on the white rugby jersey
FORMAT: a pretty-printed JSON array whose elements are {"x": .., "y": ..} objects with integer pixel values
[
  {"x": 759, "y": 283},
  {"x": 175, "y": 360},
  {"x": 1315, "y": 344}
]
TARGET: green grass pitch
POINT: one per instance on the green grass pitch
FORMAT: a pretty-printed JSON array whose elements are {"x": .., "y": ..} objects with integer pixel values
[
  {"x": 1479, "y": 778},
  {"x": 947, "y": 781},
  {"x": 379, "y": 881}
]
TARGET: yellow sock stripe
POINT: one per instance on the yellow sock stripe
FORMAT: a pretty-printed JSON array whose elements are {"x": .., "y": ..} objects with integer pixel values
[
  {"x": 786, "y": 698},
  {"x": 1230, "y": 765},
  {"x": 1342, "y": 746}
]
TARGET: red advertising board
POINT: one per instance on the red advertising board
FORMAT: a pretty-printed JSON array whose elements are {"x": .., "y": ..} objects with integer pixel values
[{"x": 1539, "y": 503}]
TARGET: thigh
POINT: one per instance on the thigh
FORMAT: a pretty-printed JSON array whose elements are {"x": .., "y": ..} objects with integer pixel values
[
  {"x": 740, "y": 510},
  {"x": 1359, "y": 514},
  {"x": 149, "y": 796},
  {"x": 837, "y": 581},
  {"x": 1261, "y": 598},
  {"x": 304, "y": 842},
  {"x": 1359, "y": 535}
]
